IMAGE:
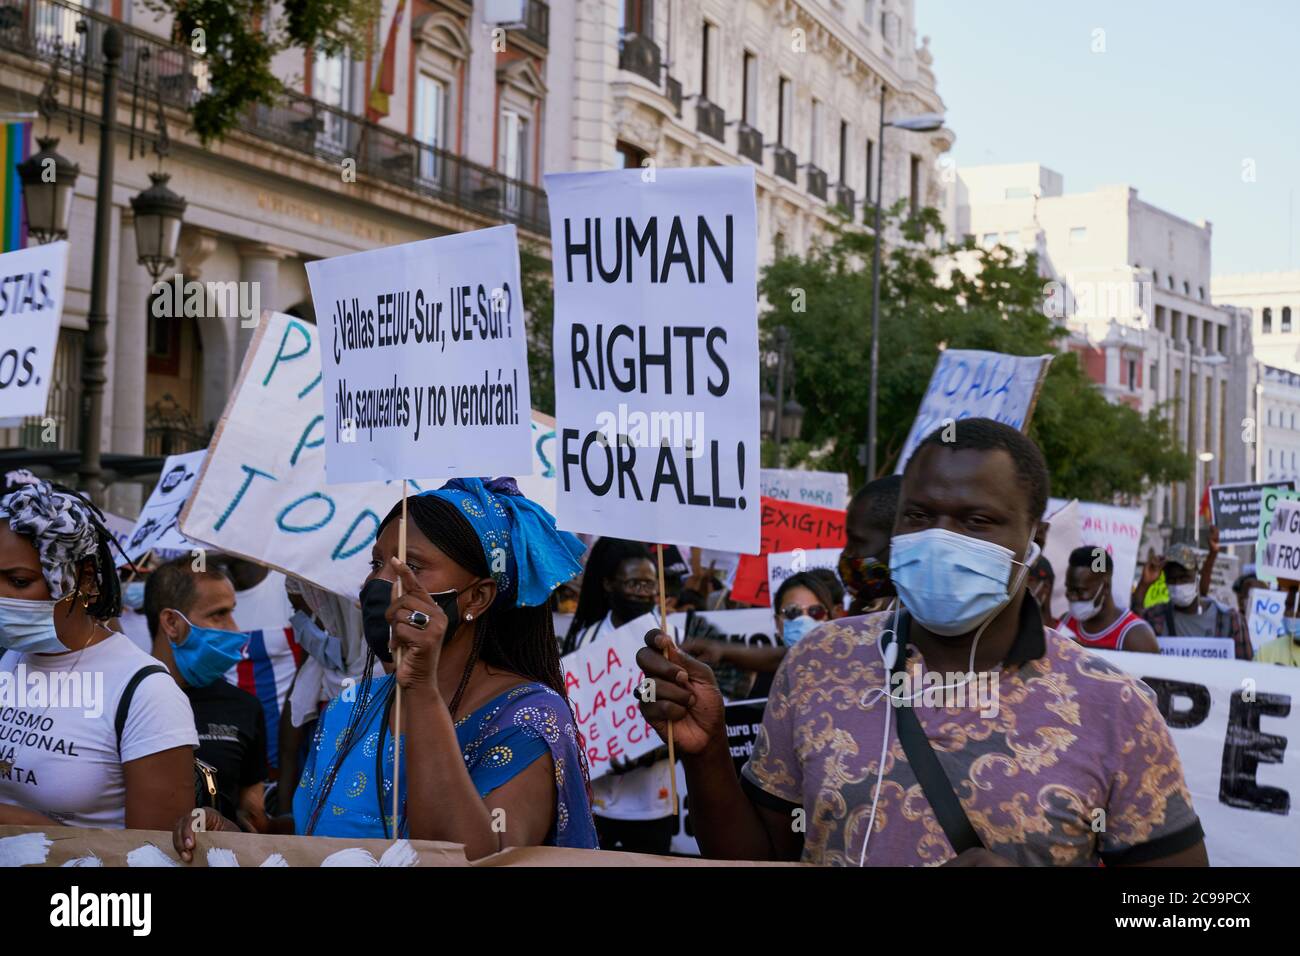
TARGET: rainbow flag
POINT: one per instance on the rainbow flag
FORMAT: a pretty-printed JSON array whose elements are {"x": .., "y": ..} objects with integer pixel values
[{"x": 15, "y": 146}]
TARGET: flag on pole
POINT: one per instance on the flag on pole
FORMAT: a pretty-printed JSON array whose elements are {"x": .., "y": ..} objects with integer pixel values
[
  {"x": 1205, "y": 505},
  {"x": 377, "y": 105},
  {"x": 15, "y": 146}
]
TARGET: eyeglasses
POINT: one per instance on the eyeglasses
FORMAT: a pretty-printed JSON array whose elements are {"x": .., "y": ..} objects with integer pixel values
[
  {"x": 637, "y": 586},
  {"x": 792, "y": 611}
]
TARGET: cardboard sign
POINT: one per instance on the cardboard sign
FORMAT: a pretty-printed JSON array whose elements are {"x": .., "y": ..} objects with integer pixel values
[
  {"x": 783, "y": 564},
  {"x": 656, "y": 355},
  {"x": 31, "y": 304},
  {"x": 1264, "y": 611},
  {"x": 158, "y": 527},
  {"x": 786, "y": 526},
  {"x": 825, "y": 489},
  {"x": 1277, "y": 549},
  {"x": 262, "y": 492},
  {"x": 1113, "y": 527},
  {"x": 1217, "y": 647},
  {"x": 968, "y": 383},
  {"x": 1236, "y": 509},
  {"x": 602, "y": 678},
  {"x": 424, "y": 359}
]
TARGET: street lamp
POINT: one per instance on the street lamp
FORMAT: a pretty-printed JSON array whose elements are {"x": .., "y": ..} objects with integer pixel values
[
  {"x": 1204, "y": 458},
  {"x": 925, "y": 123},
  {"x": 781, "y": 419},
  {"x": 158, "y": 213},
  {"x": 48, "y": 178}
]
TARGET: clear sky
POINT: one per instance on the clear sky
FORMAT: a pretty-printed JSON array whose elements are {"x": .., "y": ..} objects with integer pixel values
[{"x": 1185, "y": 93}]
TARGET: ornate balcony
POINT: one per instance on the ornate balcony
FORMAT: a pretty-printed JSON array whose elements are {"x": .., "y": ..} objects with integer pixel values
[
  {"x": 640, "y": 55},
  {"x": 786, "y": 164},
  {"x": 710, "y": 120},
  {"x": 844, "y": 199},
  {"x": 816, "y": 182},
  {"x": 749, "y": 143}
]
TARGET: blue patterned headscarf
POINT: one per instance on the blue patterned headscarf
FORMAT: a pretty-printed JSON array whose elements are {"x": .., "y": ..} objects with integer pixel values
[{"x": 538, "y": 557}]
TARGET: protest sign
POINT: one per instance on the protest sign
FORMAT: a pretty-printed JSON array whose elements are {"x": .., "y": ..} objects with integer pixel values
[
  {"x": 158, "y": 527},
  {"x": 1277, "y": 549},
  {"x": 31, "y": 304},
  {"x": 1220, "y": 647},
  {"x": 1264, "y": 611},
  {"x": 1062, "y": 538},
  {"x": 1113, "y": 527},
  {"x": 752, "y": 626},
  {"x": 656, "y": 355},
  {"x": 1231, "y": 722},
  {"x": 782, "y": 564},
  {"x": 262, "y": 492},
  {"x": 968, "y": 383},
  {"x": 826, "y": 489},
  {"x": 1236, "y": 509},
  {"x": 785, "y": 526},
  {"x": 601, "y": 678},
  {"x": 425, "y": 369}
]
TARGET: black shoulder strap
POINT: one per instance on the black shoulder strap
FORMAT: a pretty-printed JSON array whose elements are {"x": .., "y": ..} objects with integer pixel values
[
  {"x": 124, "y": 705},
  {"x": 1169, "y": 619},
  {"x": 934, "y": 782}
]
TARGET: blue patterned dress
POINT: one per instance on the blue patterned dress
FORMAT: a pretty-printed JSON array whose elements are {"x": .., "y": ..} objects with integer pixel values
[{"x": 498, "y": 741}]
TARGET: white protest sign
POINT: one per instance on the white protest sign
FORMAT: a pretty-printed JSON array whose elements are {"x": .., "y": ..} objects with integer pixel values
[
  {"x": 969, "y": 383},
  {"x": 262, "y": 493},
  {"x": 1264, "y": 612},
  {"x": 1236, "y": 725},
  {"x": 158, "y": 527},
  {"x": 656, "y": 355},
  {"x": 1115, "y": 528},
  {"x": 424, "y": 359},
  {"x": 31, "y": 303},
  {"x": 1218, "y": 647},
  {"x": 826, "y": 489},
  {"x": 783, "y": 564},
  {"x": 601, "y": 678},
  {"x": 1062, "y": 538},
  {"x": 1279, "y": 535}
]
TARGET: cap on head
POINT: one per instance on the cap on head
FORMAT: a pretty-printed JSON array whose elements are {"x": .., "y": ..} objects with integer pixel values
[{"x": 1185, "y": 556}]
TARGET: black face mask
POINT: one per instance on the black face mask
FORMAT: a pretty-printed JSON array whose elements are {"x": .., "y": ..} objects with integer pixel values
[
  {"x": 628, "y": 608},
  {"x": 375, "y": 598}
]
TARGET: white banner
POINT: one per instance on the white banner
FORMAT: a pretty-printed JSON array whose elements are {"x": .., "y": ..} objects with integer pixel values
[
  {"x": 1264, "y": 614},
  {"x": 31, "y": 304},
  {"x": 1113, "y": 527},
  {"x": 968, "y": 383},
  {"x": 782, "y": 564},
  {"x": 158, "y": 527},
  {"x": 1232, "y": 722},
  {"x": 656, "y": 354},
  {"x": 826, "y": 489},
  {"x": 425, "y": 366},
  {"x": 1217, "y": 647},
  {"x": 262, "y": 494}
]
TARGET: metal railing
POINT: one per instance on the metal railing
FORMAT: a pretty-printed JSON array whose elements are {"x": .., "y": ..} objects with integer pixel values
[
  {"x": 46, "y": 29},
  {"x": 785, "y": 163}
]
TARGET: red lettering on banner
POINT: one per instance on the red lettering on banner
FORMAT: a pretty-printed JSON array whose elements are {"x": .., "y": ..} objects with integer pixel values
[
  {"x": 599, "y": 702},
  {"x": 612, "y": 661},
  {"x": 570, "y": 682},
  {"x": 615, "y": 749}
]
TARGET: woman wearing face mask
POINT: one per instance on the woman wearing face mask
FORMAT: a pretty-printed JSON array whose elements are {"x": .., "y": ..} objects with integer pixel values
[
  {"x": 1094, "y": 619},
  {"x": 487, "y": 733},
  {"x": 122, "y": 753}
]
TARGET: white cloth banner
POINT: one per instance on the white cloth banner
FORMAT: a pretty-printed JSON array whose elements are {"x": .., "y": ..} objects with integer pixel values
[
  {"x": 426, "y": 365},
  {"x": 158, "y": 527},
  {"x": 1217, "y": 647},
  {"x": 31, "y": 304},
  {"x": 825, "y": 489},
  {"x": 1264, "y": 614},
  {"x": 1113, "y": 527},
  {"x": 656, "y": 355},
  {"x": 968, "y": 383},
  {"x": 262, "y": 494}
]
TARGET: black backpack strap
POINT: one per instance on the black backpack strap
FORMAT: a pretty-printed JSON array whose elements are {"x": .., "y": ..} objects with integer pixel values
[
  {"x": 1169, "y": 619},
  {"x": 124, "y": 705},
  {"x": 925, "y": 765}
]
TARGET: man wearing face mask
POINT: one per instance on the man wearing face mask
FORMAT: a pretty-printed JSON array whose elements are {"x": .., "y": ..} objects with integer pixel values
[
  {"x": 1094, "y": 619},
  {"x": 191, "y": 619},
  {"x": 1014, "y": 777},
  {"x": 1187, "y": 613}
]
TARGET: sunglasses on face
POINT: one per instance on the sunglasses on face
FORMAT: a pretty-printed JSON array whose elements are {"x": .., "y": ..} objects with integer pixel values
[
  {"x": 792, "y": 611},
  {"x": 638, "y": 586}
]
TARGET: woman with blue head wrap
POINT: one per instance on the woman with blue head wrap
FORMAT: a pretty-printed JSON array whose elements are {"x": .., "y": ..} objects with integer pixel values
[{"x": 487, "y": 732}]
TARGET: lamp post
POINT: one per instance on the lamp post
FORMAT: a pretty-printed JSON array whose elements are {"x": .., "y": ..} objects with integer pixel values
[
  {"x": 1204, "y": 458},
  {"x": 48, "y": 179},
  {"x": 917, "y": 124},
  {"x": 781, "y": 419}
]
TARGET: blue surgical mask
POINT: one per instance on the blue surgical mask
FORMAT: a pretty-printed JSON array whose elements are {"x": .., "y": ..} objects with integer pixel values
[
  {"x": 793, "y": 631},
  {"x": 133, "y": 595},
  {"x": 318, "y": 643},
  {"x": 951, "y": 583},
  {"x": 207, "y": 653},
  {"x": 28, "y": 627},
  {"x": 1291, "y": 626}
]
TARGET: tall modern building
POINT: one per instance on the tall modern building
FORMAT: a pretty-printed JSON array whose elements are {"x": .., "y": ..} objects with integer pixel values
[{"x": 1132, "y": 284}]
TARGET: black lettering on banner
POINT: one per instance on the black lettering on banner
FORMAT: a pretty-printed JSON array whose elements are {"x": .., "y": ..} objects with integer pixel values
[
  {"x": 1246, "y": 747},
  {"x": 1167, "y": 690},
  {"x": 616, "y": 242}
]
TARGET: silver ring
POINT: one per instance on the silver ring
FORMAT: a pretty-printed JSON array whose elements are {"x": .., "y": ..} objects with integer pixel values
[{"x": 418, "y": 620}]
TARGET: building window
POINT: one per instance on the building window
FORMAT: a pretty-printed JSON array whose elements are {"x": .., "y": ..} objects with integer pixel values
[
  {"x": 638, "y": 18},
  {"x": 914, "y": 185},
  {"x": 1187, "y": 288},
  {"x": 1267, "y": 322},
  {"x": 1286, "y": 318},
  {"x": 1160, "y": 318},
  {"x": 844, "y": 153},
  {"x": 431, "y": 124},
  {"x": 1132, "y": 375},
  {"x": 707, "y": 40},
  {"x": 1170, "y": 282},
  {"x": 331, "y": 76},
  {"x": 784, "y": 111},
  {"x": 749, "y": 90},
  {"x": 1223, "y": 340},
  {"x": 631, "y": 156},
  {"x": 870, "y": 191},
  {"x": 512, "y": 146},
  {"x": 1200, "y": 292},
  {"x": 815, "y": 135},
  {"x": 1079, "y": 234},
  {"x": 1155, "y": 277},
  {"x": 990, "y": 240}
]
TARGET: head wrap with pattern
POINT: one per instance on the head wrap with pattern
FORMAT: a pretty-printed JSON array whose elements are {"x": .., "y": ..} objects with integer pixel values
[{"x": 61, "y": 525}]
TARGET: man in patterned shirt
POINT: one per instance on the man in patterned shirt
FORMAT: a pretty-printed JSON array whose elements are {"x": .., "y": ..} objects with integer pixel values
[{"x": 1071, "y": 764}]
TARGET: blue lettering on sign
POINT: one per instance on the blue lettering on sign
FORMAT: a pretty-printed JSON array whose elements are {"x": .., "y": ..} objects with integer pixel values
[
  {"x": 281, "y": 355},
  {"x": 548, "y": 468},
  {"x": 280, "y": 519},
  {"x": 239, "y": 495},
  {"x": 304, "y": 443},
  {"x": 340, "y": 552},
  {"x": 310, "y": 385}
]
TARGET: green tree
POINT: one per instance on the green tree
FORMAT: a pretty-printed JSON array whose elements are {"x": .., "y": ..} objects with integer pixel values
[
  {"x": 1095, "y": 450},
  {"x": 539, "y": 303}
]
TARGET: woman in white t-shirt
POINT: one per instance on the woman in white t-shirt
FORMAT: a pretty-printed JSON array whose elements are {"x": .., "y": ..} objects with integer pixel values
[{"x": 65, "y": 757}]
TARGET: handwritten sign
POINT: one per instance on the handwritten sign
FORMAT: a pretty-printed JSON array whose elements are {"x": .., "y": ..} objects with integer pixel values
[
  {"x": 1277, "y": 551},
  {"x": 1236, "y": 509},
  {"x": 786, "y": 563},
  {"x": 785, "y": 526},
  {"x": 424, "y": 359},
  {"x": 825, "y": 489},
  {"x": 1264, "y": 612},
  {"x": 656, "y": 354},
  {"x": 158, "y": 527},
  {"x": 31, "y": 303},
  {"x": 968, "y": 383},
  {"x": 1113, "y": 527}
]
